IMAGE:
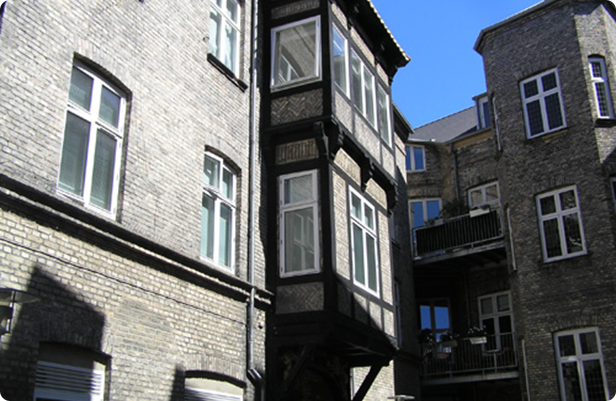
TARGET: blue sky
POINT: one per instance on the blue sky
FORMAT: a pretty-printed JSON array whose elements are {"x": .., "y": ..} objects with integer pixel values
[{"x": 445, "y": 72}]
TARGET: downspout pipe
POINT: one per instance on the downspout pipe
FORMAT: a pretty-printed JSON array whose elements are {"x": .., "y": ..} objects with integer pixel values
[{"x": 253, "y": 375}]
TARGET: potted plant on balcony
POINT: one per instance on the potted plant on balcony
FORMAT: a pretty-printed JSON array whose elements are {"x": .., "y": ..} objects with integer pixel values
[
  {"x": 426, "y": 336},
  {"x": 449, "y": 339},
  {"x": 477, "y": 335}
]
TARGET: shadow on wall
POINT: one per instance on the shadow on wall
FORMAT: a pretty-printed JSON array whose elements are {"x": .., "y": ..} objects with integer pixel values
[{"x": 60, "y": 317}]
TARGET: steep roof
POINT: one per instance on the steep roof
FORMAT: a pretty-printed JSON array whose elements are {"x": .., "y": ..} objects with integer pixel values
[{"x": 447, "y": 128}]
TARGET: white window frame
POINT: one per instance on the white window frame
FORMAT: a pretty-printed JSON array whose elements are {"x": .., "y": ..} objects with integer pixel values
[
  {"x": 219, "y": 49},
  {"x": 285, "y": 208},
  {"x": 482, "y": 189},
  {"x": 96, "y": 126},
  {"x": 601, "y": 81},
  {"x": 345, "y": 61},
  {"x": 424, "y": 205},
  {"x": 411, "y": 160},
  {"x": 366, "y": 232},
  {"x": 483, "y": 103},
  {"x": 383, "y": 107},
  {"x": 367, "y": 84},
  {"x": 540, "y": 97},
  {"x": 495, "y": 315},
  {"x": 559, "y": 215},
  {"x": 579, "y": 359},
  {"x": 315, "y": 75},
  {"x": 220, "y": 200}
]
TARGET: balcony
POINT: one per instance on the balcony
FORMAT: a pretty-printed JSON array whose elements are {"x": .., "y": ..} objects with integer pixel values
[
  {"x": 466, "y": 362},
  {"x": 478, "y": 230}
]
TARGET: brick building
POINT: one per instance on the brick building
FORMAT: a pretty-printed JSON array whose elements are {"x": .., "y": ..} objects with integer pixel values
[
  {"x": 513, "y": 216},
  {"x": 139, "y": 144}
]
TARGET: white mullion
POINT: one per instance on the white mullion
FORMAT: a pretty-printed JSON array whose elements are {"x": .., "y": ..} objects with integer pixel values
[{"x": 93, "y": 135}]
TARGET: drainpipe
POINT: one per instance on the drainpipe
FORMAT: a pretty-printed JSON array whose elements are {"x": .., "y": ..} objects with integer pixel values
[
  {"x": 253, "y": 375},
  {"x": 526, "y": 369}
]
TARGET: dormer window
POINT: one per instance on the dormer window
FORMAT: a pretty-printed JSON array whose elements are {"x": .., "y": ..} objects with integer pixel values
[{"x": 296, "y": 55}]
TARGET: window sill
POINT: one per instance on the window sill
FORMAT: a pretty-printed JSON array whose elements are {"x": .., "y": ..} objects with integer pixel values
[
  {"x": 226, "y": 72},
  {"x": 548, "y": 136},
  {"x": 605, "y": 122}
]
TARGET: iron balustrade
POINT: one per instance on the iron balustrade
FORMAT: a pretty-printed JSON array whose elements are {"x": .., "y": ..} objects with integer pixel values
[
  {"x": 459, "y": 232},
  {"x": 443, "y": 360}
]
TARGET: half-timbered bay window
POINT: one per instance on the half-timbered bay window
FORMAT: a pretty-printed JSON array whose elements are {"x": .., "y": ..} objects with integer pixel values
[
  {"x": 218, "y": 211},
  {"x": 364, "y": 243},
  {"x": 363, "y": 88},
  {"x": 225, "y": 32},
  {"x": 299, "y": 233},
  {"x": 580, "y": 365},
  {"x": 93, "y": 134},
  {"x": 603, "y": 98},
  {"x": 560, "y": 221},
  {"x": 543, "y": 106},
  {"x": 296, "y": 53}
]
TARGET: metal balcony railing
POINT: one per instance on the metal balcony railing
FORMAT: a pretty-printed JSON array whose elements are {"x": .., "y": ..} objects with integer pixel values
[
  {"x": 465, "y": 231},
  {"x": 443, "y": 360}
]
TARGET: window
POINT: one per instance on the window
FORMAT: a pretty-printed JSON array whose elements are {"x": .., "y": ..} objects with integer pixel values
[
  {"x": 296, "y": 53},
  {"x": 562, "y": 235},
  {"x": 363, "y": 88},
  {"x": 341, "y": 55},
  {"x": 497, "y": 318},
  {"x": 66, "y": 373},
  {"x": 91, "y": 151},
  {"x": 299, "y": 233},
  {"x": 363, "y": 243},
  {"x": 415, "y": 158},
  {"x": 225, "y": 32},
  {"x": 483, "y": 112},
  {"x": 543, "y": 106},
  {"x": 423, "y": 211},
  {"x": 218, "y": 212},
  {"x": 203, "y": 389},
  {"x": 598, "y": 74},
  {"x": 384, "y": 125},
  {"x": 486, "y": 194},
  {"x": 434, "y": 314},
  {"x": 581, "y": 373}
]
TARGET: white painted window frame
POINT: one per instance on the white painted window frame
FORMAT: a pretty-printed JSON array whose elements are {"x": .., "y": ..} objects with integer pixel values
[
  {"x": 366, "y": 231},
  {"x": 382, "y": 98},
  {"x": 367, "y": 82},
  {"x": 424, "y": 205},
  {"x": 291, "y": 207},
  {"x": 559, "y": 214},
  {"x": 495, "y": 315},
  {"x": 601, "y": 80},
  {"x": 219, "y": 199},
  {"x": 226, "y": 21},
  {"x": 579, "y": 358},
  {"x": 541, "y": 97},
  {"x": 316, "y": 72},
  {"x": 482, "y": 102},
  {"x": 411, "y": 164},
  {"x": 345, "y": 62},
  {"x": 483, "y": 190},
  {"x": 96, "y": 125}
]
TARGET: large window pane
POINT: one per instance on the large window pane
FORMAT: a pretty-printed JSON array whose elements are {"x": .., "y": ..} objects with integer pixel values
[
  {"x": 418, "y": 155},
  {"x": 340, "y": 60},
  {"x": 207, "y": 227},
  {"x": 299, "y": 240},
  {"x": 371, "y": 256},
  {"x": 295, "y": 50},
  {"x": 594, "y": 381},
  {"x": 110, "y": 107},
  {"x": 211, "y": 172},
  {"x": 552, "y": 238},
  {"x": 298, "y": 189},
  {"x": 356, "y": 82},
  {"x": 358, "y": 254},
  {"x": 224, "y": 233},
  {"x": 74, "y": 153},
  {"x": 81, "y": 89},
  {"x": 102, "y": 174},
  {"x": 571, "y": 382}
]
